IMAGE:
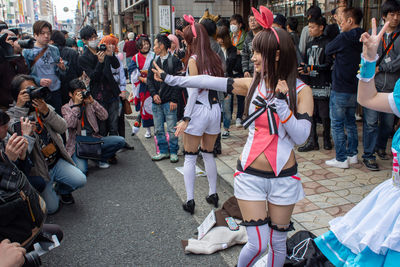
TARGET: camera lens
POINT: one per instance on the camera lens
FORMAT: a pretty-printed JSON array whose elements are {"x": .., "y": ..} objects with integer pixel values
[{"x": 32, "y": 259}]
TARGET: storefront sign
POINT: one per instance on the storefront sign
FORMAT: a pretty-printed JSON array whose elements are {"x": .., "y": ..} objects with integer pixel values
[{"x": 165, "y": 20}]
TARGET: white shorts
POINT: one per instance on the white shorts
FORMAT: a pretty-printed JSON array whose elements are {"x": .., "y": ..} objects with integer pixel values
[
  {"x": 279, "y": 191},
  {"x": 205, "y": 120}
]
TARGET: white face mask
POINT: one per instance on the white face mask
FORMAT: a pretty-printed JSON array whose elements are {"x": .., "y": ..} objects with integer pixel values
[
  {"x": 234, "y": 28},
  {"x": 93, "y": 44}
]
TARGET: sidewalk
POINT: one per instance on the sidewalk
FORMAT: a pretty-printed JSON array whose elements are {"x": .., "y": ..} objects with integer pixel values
[{"x": 330, "y": 192}]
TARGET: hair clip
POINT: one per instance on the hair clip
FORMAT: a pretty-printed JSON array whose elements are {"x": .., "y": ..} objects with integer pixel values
[
  {"x": 189, "y": 19},
  {"x": 265, "y": 18}
]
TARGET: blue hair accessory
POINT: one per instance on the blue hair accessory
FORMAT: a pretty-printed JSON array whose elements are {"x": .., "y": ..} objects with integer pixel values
[{"x": 367, "y": 69}]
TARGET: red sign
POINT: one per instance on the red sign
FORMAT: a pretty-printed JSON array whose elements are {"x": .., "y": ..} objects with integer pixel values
[{"x": 147, "y": 12}]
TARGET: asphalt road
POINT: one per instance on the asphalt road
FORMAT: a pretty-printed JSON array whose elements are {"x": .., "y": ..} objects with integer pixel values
[{"x": 127, "y": 215}]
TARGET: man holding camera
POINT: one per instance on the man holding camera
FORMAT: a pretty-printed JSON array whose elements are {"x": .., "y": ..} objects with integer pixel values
[
  {"x": 50, "y": 158},
  {"x": 9, "y": 68},
  {"x": 45, "y": 63},
  {"x": 97, "y": 61},
  {"x": 81, "y": 114}
]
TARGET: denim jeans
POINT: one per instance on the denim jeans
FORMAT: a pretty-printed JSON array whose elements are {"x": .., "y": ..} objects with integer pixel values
[
  {"x": 226, "y": 111},
  {"x": 240, "y": 105},
  {"x": 161, "y": 114},
  {"x": 68, "y": 179},
  {"x": 110, "y": 126},
  {"x": 342, "y": 110},
  {"x": 377, "y": 127},
  {"x": 108, "y": 149}
]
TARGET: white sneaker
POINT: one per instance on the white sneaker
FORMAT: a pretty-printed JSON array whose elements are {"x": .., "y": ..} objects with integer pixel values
[
  {"x": 103, "y": 165},
  {"x": 148, "y": 133},
  {"x": 338, "y": 164},
  {"x": 353, "y": 159},
  {"x": 238, "y": 122}
]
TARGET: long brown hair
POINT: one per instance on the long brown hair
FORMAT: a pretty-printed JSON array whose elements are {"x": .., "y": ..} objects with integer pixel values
[
  {"x": 207, "y": 60},
  {"x": 284, "y": 69}
]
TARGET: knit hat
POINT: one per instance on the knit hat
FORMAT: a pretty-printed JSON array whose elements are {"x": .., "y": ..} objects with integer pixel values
[{"x": 110, "y": 40}]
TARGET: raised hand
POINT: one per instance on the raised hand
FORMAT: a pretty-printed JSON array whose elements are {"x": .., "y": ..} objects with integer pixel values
[
  {"x": 26, "y": 126},
  {"x": 157, "y": 72},
  {"x": 371, "y": 41}
]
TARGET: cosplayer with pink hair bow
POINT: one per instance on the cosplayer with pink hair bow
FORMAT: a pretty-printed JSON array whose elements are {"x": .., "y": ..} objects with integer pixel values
[{"x": 189, "y": 19}]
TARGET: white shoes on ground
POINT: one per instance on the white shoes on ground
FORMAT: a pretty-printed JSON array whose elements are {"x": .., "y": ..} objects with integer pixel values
[
  {"x": 148, "y": 133},
  {"x": 353, "y": 159},
  {"x": 103, "y": 165},
  {"x": 338, "y": 164},
  {"x": 238, "y": 122}
]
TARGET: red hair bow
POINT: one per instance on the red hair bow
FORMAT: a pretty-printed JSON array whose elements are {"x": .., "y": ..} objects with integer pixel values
[
  {"x": 189, "y": 19},
  {"x": 265, "y": 18}
]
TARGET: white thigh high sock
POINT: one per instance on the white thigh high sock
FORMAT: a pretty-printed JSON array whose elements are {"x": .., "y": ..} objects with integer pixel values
[
  {"x": 211, "y": 170},
  {"x": 189, "y": 174},
  {"x": 277, "y": 248},
  {"x": 256, "y": 245}
]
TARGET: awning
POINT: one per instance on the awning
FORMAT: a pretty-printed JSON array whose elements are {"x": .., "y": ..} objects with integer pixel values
[{"x": 131, "y": 7}]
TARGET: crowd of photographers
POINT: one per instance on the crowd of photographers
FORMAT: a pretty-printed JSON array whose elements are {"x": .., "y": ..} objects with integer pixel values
[{"x": 46, "y": 109}]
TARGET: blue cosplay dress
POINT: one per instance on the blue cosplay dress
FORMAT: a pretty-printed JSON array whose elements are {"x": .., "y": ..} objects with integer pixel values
[{"x": 369, "y": 234}]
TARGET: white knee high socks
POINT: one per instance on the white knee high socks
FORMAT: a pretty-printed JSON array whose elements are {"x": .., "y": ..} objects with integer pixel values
[
  {"x": 211, "y": 170},
  {"x": 189, "y": 174},
  {"x": 277, "y": 248},
  {"x": 256, "y": 245}
]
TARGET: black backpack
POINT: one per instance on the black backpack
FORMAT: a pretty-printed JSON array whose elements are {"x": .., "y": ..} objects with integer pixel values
[
  {"x": 22, "y": 210},
  {"x": 303, "y": 252}
]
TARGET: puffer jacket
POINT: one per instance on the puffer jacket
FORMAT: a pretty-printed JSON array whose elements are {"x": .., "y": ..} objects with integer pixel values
[{"x": 389, "y": 68}]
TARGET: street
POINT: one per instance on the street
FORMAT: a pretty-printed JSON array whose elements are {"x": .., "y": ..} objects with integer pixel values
[{"x": 130, "y": 215}]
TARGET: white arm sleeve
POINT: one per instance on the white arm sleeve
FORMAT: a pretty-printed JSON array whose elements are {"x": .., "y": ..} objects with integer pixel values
[
  {"x": 198, "y": 81},
  {"x": 192, "y": 97},
  {"x": 297, "y": 129}
]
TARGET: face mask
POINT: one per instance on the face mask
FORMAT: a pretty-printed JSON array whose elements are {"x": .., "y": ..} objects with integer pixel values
[
  {"x": 233, "y": 28},
  {"x": 93, "y": 44}
]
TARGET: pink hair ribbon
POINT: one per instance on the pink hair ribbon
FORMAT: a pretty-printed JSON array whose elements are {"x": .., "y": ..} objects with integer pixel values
[
  {"x": 265, "y": 18},
  {"x": 189, "y": 19}
]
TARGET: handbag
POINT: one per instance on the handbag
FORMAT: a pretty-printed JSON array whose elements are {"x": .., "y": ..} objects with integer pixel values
[
  {"x": 127, "y": 107},
  {"x": 88, "y": 147}
]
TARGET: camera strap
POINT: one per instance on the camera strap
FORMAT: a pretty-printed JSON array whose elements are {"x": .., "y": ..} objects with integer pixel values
[
  {"x": 39, "y": 121},
  {"x": 39, "y": 56}
]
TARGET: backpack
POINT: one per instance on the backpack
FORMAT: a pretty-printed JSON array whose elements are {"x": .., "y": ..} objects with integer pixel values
[
  {"x": 303, "y": 252},
  {"x": 22, "y": 209}
]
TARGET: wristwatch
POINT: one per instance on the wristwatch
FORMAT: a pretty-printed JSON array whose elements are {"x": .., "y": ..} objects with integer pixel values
[{"x": 186, "y": 119}]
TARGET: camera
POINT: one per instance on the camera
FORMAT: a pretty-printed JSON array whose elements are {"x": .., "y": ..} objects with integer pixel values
[
  {"x": 27, "y": 43},
  {"x": 6, "y": 50},
  {"x": 102, "y": 48},
  {"x": 85, "y": 94},
  {"x": 37, "y": 93}
]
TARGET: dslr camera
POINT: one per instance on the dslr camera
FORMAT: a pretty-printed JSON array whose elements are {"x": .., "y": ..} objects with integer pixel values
[
  {"x": 102, "y": 48},
  {"x": 37, "y": 93},
  {"x": 85, "y": 94},
  {"x": 26, "y": 44}
]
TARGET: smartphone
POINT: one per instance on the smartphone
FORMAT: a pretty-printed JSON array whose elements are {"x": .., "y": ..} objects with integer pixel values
[
  {"x": 17, "y": 128},
  {"x": 233, "y": 226}
]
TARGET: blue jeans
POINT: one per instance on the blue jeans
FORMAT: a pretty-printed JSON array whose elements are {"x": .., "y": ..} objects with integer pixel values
[
  {"x": 226, "y": 111},
  {"x": 377, "y": 127},
  {"x": 108, "y": 149},
  {"x": 68, "y": 179},
  {"x": 161, "y": 114},
  {"x": 342, "y": 110}
]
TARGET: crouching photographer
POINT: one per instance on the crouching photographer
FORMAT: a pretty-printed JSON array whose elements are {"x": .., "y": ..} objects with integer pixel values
[
  {"x": 49, "y": 156},
  {"x": 81, "y": 114}
]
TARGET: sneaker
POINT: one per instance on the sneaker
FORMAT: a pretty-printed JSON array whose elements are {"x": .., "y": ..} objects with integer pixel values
[
  {"x": 174, "y": 158},
  {"x": 352, "y": 159},
  {"x": 338, "y": 164},
  {"x": 148, "y": 133},
  {"x": 160, "y": 156},
  {"x": 371, "y": 164},
  {"x": 238, "y": 122},
  {"x": 67, "y": 199},
  {"x": 103, "y": 165},
  {"x": 113, "y": 160},
  {"x": 225, "y": 134},
  {"x": 382, "y": 154}
]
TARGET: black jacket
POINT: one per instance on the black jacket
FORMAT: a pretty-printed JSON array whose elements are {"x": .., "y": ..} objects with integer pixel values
[
  {"x": 319, "y": 62},
  {"x": 102, "y": 85},
  {"x": 233, "y": 63},
  {"x": 247, "y": 54},
  {"x": 347, "y": 49},
  {"x": 74, "y": 70},
  {"x": 167, "y": 93}
]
